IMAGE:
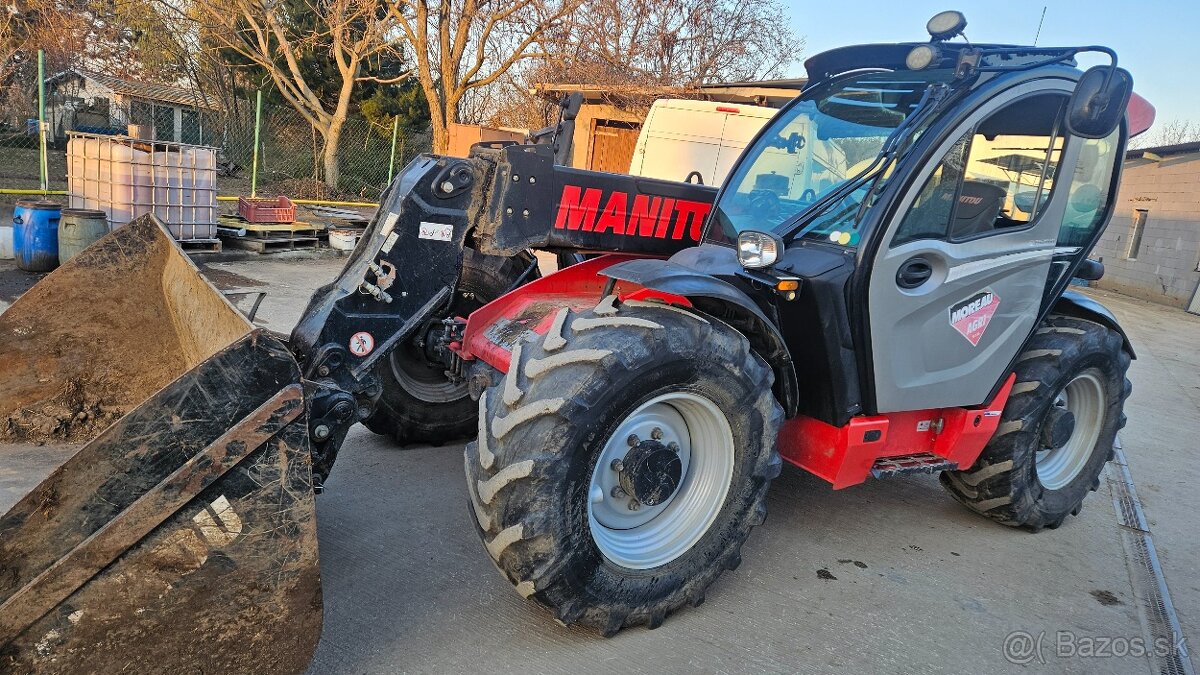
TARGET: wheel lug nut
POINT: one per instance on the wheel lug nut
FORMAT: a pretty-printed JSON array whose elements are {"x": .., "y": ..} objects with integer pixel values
[
  {"x": 634, "y": 505},
  {"x": 617, "y": 465},
  {"x": 673, "y": 446},
  {"x": 657, "y": 434},
  {"x": 617, "y": 492},
  {"x": 633, "y": 440}
]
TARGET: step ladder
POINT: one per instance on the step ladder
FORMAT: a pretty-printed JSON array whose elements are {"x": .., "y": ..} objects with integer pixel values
[{"x": 886, "y": 467}]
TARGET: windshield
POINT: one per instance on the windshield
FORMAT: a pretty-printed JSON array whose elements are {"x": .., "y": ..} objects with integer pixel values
[{"x": 828, "y": 137}]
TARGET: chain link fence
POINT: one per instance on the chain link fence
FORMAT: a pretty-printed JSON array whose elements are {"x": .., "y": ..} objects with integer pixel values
[
  {"x": 20, "y": 164},
  {"x": 291, "y": 156},
  {"x": 291, "y": 153}
]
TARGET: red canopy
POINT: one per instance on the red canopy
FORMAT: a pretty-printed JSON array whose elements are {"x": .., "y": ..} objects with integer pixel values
[{"x": 1140, "y": 114}]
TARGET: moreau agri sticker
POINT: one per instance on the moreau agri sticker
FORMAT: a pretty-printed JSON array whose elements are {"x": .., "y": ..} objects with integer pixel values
[{"x": 971, "y": 316}]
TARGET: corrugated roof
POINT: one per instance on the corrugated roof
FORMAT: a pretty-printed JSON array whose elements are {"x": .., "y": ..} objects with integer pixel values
[
  {"x": 774, "y": 92},
  {"x": 790, "y": 83},
  {"x": 1164, "y": 150},
  {"x": 146, "y": 90}
]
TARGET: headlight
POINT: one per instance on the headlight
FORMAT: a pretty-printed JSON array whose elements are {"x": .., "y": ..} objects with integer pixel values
[
  {"x": 758, "y": 249},
  {"x": 920, "y": 57},
  {"x": 945, "y": 25}
]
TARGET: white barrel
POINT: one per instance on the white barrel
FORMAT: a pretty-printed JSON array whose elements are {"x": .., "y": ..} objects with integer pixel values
[
  {"x": 344, "y": 240},
  {"x": 7, "y": 252}
]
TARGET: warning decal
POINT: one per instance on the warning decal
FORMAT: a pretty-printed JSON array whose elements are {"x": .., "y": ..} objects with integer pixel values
[
  {"x": 361, "y": 344},
  {"x": 971, "y": 316}
]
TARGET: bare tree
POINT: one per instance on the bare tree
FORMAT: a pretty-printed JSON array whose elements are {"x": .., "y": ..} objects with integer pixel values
[
  {"x": 1168, "y": 133},
  {"x": 59, "y": 28},
  {"x": 514, "y": 103},
  {"x": 1175, "y": 132},
  {"x": 462, "y": 46},
  {"x": 11, "y": 40},
  {"x": 681, "y": 43},
  {"x": 267, "y": 34}
]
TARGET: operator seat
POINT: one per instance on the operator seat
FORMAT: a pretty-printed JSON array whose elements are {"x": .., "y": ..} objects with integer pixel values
[{"x": 979, "y": 205}]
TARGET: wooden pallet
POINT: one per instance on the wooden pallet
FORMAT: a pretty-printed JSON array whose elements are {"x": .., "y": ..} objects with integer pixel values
[
  {"x": 200, "y": 245},
  {"x": 280, "y": 231},
  {"x": 271, "y": 245},
  {"x": 271, "y": 230}
]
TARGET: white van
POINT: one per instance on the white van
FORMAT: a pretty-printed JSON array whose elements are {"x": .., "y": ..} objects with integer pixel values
[
  {"x": 683, "y": 137},
  {"x": 680, "y": 137}
]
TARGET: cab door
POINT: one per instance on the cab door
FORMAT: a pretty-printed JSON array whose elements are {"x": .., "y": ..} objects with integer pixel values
[{"x": 958, "y": 280}]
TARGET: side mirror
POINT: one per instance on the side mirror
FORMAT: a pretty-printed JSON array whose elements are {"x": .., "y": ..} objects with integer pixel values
[
  {"x": 1090, "y": 270},
  {"x": 1099, "y": 101},
  {"x": 791, "y": 143}
]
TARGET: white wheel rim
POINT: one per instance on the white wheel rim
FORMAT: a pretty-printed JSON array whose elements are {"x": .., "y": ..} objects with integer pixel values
[
  {"x": 652, "y": 536},
  {"x": 1084, "y": 397}
]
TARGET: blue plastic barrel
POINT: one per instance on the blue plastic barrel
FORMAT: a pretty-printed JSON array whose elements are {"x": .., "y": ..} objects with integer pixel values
[
  {"x": 22, "y": 208},
  {"x": 35, "y": 235}
]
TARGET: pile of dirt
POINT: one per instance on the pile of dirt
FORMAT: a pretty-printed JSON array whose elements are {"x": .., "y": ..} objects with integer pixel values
[
  {"x": 103, "y": 333},
  {"x": 75, "y": 415}
]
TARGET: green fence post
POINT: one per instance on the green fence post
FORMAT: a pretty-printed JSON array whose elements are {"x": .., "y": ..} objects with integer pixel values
[
  {"x": 392, "y": 161},
  {"x": 254, "y": 163},
  {"x": 45, "y": 168}
]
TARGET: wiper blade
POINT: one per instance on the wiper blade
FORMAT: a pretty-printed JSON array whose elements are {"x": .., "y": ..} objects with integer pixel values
[{"x": 934, "y": 94}]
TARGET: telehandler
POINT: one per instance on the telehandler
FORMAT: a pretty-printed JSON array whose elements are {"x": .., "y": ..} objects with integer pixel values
[{"x": 902, "y": 308}]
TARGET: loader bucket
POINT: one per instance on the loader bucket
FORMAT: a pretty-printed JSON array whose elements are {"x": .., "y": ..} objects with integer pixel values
[{"x": 181, "y": 536}]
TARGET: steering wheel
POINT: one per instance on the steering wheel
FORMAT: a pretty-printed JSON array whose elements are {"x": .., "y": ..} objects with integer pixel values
[
  {"x": 809, "y": 195},
  {"x": 765, "y": 203}
]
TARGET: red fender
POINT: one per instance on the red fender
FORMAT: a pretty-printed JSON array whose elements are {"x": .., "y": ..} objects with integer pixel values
[{"x": 493, "y": 329}]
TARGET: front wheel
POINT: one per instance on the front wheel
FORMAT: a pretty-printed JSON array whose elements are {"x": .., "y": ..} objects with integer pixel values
[
  {"x": 623, "y": 461},
  {"x": 1057, "y": 429},
  {"x": 418, "y": 403}
]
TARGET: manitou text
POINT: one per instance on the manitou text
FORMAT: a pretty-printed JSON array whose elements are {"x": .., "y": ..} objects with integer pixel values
[{"x": 632, "y": 215}]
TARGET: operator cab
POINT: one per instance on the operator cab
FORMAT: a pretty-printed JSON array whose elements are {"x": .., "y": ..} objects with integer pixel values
[{"x": 909, "y": 182}]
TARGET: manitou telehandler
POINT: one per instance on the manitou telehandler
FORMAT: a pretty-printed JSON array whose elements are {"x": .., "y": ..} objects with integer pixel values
[{"x": 879, "y": 288}]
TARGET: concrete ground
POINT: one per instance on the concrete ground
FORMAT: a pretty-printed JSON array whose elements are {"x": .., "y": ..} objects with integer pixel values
[{"x": 889, "y": 576}]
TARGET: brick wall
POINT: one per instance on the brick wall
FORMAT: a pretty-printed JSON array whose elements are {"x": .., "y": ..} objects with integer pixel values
[{"x": 1165, "y": 268}]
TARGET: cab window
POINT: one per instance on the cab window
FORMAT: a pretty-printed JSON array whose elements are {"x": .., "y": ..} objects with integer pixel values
[
  {"x": 994, "y": 178},
  {"x": 1090, "y": 189}
]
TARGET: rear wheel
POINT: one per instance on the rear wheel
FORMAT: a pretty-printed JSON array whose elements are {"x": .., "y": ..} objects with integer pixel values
[
  {"x": 418, "y": 403},
  {"x": 1057, "y": 429},
  {"x": 623, "y": 461}
]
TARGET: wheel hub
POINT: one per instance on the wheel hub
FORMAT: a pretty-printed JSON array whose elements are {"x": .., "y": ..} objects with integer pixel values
[
  {"x": 1070, "y": 430},
  {"x": 1058, "y": 427},
  {"x": 651, "y": 472},
  {"x": 660, "y": 480}
]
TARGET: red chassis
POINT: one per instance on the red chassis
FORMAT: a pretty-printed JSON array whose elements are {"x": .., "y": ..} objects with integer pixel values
[{"x": 844, "y": 456}]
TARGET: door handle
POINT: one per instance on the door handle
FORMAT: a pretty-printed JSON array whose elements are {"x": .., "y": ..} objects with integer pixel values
[{"x": 913, "y": 273}]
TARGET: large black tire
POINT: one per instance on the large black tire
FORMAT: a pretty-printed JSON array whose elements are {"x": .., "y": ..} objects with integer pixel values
[
  {"x": 543, "y": 428},
  {"x": 1004, "y": 484},
  {"x": 437, "y": 411}
]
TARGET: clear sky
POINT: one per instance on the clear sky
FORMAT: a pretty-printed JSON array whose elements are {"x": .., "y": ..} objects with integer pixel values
[{"x": 1157, "y": 40}]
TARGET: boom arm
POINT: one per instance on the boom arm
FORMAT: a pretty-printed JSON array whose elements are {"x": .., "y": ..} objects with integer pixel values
[{"x": 401, "y": 279}]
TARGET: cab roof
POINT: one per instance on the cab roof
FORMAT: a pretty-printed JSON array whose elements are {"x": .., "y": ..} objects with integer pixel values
[{"x": 891, "y": 56}]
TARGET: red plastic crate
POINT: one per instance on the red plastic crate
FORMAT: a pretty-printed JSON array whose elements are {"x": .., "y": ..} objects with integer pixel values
[{"x": 267, "y": 209}]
